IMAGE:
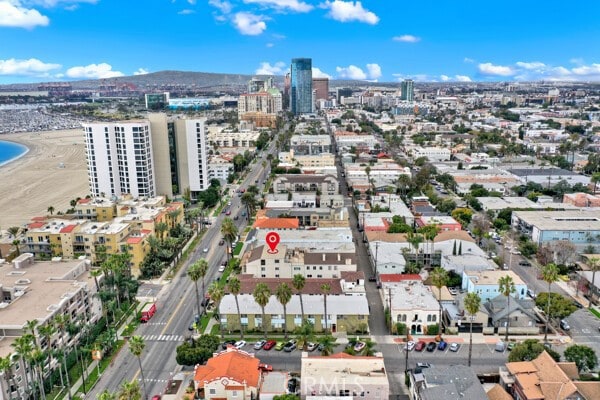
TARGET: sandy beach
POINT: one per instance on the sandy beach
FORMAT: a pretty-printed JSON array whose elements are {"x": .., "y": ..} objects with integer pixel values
[{"x": 52, "y": 173}]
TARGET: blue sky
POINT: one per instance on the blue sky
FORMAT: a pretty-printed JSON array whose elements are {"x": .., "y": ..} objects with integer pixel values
[{"x": 383, "y": 40}]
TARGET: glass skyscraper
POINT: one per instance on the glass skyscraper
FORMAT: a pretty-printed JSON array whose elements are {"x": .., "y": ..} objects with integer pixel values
[{"x": 301, "y": 101}]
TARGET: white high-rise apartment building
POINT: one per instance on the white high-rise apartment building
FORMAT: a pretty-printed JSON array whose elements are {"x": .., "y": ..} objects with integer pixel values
[
  {"x": 119, "y": 158},
  {"x": 192, "y": 157}
]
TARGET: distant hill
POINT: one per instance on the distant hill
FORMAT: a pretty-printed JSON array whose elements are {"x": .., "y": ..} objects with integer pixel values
[{"x": 198, "y": 80}]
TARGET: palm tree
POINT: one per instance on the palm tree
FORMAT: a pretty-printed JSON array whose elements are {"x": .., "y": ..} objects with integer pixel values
[
  {"x": 161, "y": 228},
  {"x": 305, "y": 333},
  {"x": 506, "y": 286},
  {"x": 13, "y": 231},
  {"x": 472, "y": 304},
  {"x": 249, "y": 202},
  {"x": 594, "y": 264},
  {"x": 216, "y": 294},
  {"x": 234, "y": 287},
  {"x": 173, "y": 214},
  {"x": 439, "y": 277},
  {"x": 136, "y": 346},
  {"x": 130, "y": 391},
  {"x": 327, "y": 343},
  {"x": 6, "y": 369},
  {"x": 415, "y": 240},
  {"x": 298, "y": 282},
  {"x": 51, "y": 210},
  {"x": 23, "y": 347},
  {"x": 197, "y": 271},
  {"x": 430, "y": 234},
  {"x": 595, "y": 179},
  {"x": 369, "y": 349},
  {"x": 549, "y": 275},
  {"x": 47, "y": 331},
  {"x": 229, "y": 232},
  {"x": 106, "y": 395},
  {"x": 16, "y": 243},
  {"x": 262, "y": 294},
  {"x": 284, "y": 295},
  {"x": 61, "y": 322},
  {"x": 325, "y": 288}
]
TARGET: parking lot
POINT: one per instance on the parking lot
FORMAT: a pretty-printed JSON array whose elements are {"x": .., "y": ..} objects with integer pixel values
[{"x": 585, "y": 329}]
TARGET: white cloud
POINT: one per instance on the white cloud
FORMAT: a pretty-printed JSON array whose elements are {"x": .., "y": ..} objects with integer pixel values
[
  {"x": 585, "y": 70},
  {"x": 531, "y": 65},
  {"x": 444, "y": 78},
  {"x": 406, "y": 39},
  {"x": 283, "y": 5},
  {"x": 31, "y": 67},
  {"x": 491, "y": 69},
  {"x": 279, "y": 68},
  {"x": 463, "y": 78},
  {"x": 141, "y": 71},
  {"x": 187, "y": 11},
  {"x": 374, "y": 71},
  {"x": 317, "y": 73},
  {"x": 93, "y": 71},
  {"x": 14, "y": 15},
  {"x": 347, "y": 11},
  {"x": 468, "y": 60},
  {"x": 269, "y": 45},
  {"x": 249, "y": 24},
  {"x": 53, "y": 3},
  {"x": 223, "y": 6},
  {"x": 351, "y": 72},
  {"x": 192, "y": 2}
]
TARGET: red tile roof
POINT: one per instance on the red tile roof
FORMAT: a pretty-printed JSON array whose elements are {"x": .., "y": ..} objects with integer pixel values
[
  {"x": 276, "y": 223},
  {"x": 134, "y": 240},
  {"x": 233, "y": 364},
  {"x": 36, "y": 225},
  {"x": 84, "y": 201},
  {"x": 68, "y": 229}
]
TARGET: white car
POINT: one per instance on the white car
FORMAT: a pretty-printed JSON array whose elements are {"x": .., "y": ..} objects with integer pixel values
[
  {"x": 221, "y": 268},
  {"x": 205, "y": 250},
  {"x": 454, "y": 347},
  {"x": 239, "y": 344},
  {"x": 409, "y": 345}
]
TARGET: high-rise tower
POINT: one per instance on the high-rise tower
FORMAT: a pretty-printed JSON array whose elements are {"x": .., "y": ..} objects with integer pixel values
[
  {"x": 301, "y": 86},
  {"x": 407, "y": 90}
]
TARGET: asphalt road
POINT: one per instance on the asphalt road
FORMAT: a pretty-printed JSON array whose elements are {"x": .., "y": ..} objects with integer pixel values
[{"x": 176, "y": 307}]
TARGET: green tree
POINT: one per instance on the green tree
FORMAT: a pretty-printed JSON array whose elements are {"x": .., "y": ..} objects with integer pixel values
[
  {"x": 51, "y": 210},
  {"x": 216, "y": 293},
  {"x": 415, "y": 240},
  {"x": 529, "y": 350},
  {"x": 594, "y": 264},
  {"x": 472, "y": 304},
  {"x": 13, "y": 231},
  {"x": 305, "y": 333},
  {"x": 197, "y": 351},
  {"x": 249, "y": 201},
  {"x": 234, "y": 287},
  {"x": 583, "y": 356},
  {"x": 560, "y": 306},
  {"x": 106, "y": 395},
  {"x": 161, "y": 228},
  {"x": 325, "y": 289},
  {"x": 198, "y": 271},
  {"x": 130, "y": 391},
  {"x": 507, "y": 287},
  {"x": 229, "y": 232},
  {"x": 283, "y": 293},
  {"x": 327, "y": 344},
  {"x": 23, "y": 348},
  {"x": 549, "y": 274},
  {"x": 136, "y": 347},
  {"x": 439, "y": 277},
  {"x": 298, "y": 283},
  {"x": 61, "y": 321},
  {"x": 262, "y": 294}
]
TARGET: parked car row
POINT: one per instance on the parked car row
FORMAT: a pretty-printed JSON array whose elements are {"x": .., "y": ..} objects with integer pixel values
[{"x": 430, "y": 346}]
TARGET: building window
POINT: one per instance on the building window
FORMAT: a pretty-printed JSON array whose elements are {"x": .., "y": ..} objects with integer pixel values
[
  {"x": 234, "y": 393},
  {"x": 212, "y": 391},
  {"x": 263, "y": 262}
]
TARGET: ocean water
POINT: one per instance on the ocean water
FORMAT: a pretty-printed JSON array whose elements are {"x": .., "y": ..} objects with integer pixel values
[{"x": 10, "y": 151}]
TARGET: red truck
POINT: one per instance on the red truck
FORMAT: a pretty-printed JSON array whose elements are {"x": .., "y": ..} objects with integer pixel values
[{"x": 148, "y": 311}]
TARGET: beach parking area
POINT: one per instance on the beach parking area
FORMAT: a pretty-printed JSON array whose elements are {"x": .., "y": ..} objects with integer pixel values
[{"x": 52, "y": 173}]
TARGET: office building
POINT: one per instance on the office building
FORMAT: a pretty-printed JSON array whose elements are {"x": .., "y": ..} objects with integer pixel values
[
  {"x": 321, "y": 87},
  {"x": 156, "y": 101},
  {"x": 256, "y": 85},
  {"x": 119, "y": 159},
  {"x": 407, "y": 90},
  {"x": 301, "y": 99}
]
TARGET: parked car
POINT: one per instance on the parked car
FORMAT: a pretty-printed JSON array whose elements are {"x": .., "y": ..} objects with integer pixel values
[
  {"x": 239, "y": 344},
  {"x": 431, "y": 346},
  {"x": 205, "y": 250},
  {"x": 156, "y": 397},
  {"x": 359, "y": 346},
  {"x": 420, "y": 346},
  {"x": 221, "y": 268},
  {"x": 409, "y": 345},
  {"x": 259, "y": 345},
  {"x": 279, "y": 346},
  {"x": 524, "y": 263},
  {"x": 290, "y": 346},
  {"x": 221, "y": 242},
  {"x": 531, "y": 294},
  {"x": 311, "y": 346},
  {"x": 236, "y": 217},
  {"x": 228, "y": 212},
  {"x": 500, "y": 346},
  {"x": 454, "y": 347},
  {"x": 442, "y": 345},
  {"x": 226, "y": 343},
  {"x": 292, "y": 385},
  {"x": 194, "y": 322},
  {"x": 577, "y": 304},
  {"x": 265, "y": 367},
  {"x": 564, "y": 325},
  {"x": 423, "y": 365},
  {"x": 269, "y": 345},
  {"x": 243, "y": 213},
  {"x": 511, "y": 345}
]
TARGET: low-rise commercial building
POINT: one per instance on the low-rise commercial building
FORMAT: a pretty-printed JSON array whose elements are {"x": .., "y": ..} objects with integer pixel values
[{"x": 485, "y": 283}]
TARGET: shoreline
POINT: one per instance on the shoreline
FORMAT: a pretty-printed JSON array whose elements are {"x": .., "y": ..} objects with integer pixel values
[
  {"x": 51, "y": 173},
  {"x": 23, "y": 154}
]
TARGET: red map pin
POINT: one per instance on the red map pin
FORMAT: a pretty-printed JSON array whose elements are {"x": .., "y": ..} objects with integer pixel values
[{"x": 272, "y": 240}]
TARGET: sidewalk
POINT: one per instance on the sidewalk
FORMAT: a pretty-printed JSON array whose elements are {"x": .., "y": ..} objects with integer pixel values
[{"x": 478, "y": 338}]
